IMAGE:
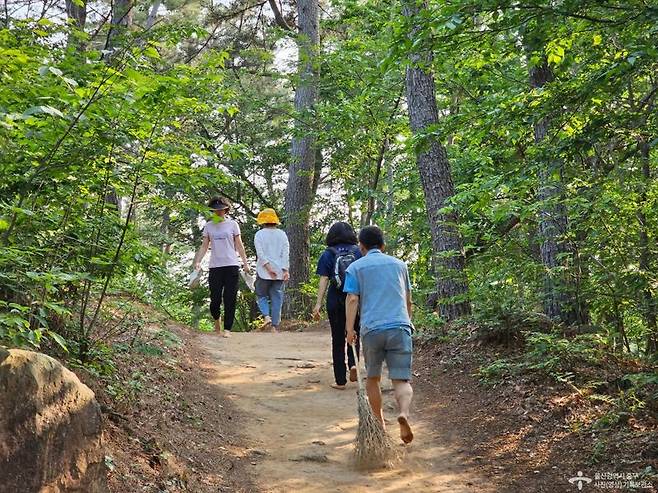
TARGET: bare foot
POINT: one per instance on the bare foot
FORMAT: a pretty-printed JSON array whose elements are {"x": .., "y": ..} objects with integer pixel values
[
  {"x": 405, "y": 430},
  {"x": 275, "y": 329},
  {"x": 266, "y": 323},
  {"x": 353, "y": 374},
  {"x": 337, "y": 387},
  {"x": 226, "y": 333}
]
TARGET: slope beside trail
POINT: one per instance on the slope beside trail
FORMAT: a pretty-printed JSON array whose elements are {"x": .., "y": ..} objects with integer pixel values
[{"x": 301, "y": 431}]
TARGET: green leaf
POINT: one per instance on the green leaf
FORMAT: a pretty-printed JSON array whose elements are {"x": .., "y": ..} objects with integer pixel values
[
  {"x": 49, "y": 110},
  {"x": 58, "y": 339},
  {"x": 151, "y": 52}
]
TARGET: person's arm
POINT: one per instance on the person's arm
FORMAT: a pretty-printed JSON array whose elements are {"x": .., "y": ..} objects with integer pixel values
[
  {"x": 407, "y": 284},
  {"x": 353, "y": 291},
  {"x": 201, "y": 252},
  {"x": 351, "y": 309},
  {"x": 239, "y": 246},
  {"x": 260, "y": 253},
  {"x": 285, "y": 254},
  {"x": 322, "y": 289}
]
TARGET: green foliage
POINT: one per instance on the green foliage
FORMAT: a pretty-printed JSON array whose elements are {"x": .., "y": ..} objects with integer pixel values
[
  {"x": 127, "y": 391},
  {"x": 598, "y": 104},
  {"x": 75, "y": 132},
  {"x": 496, "y": 371},
  {"x": 107, "y": 159},
  {"x": 426, "y": 321},
  {"x": 549, "y": 354},
  {"x": 559, "y": 356}
]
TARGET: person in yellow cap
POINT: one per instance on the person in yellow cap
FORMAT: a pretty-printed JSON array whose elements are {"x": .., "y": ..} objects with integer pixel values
[{"x": 272, "y": 264}]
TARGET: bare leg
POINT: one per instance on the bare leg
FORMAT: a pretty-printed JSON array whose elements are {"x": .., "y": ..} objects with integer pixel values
[
  {"x": 375, "y": 397},
  {"x": 218, "y": 325},
  {"x": 403, "y": 395}
]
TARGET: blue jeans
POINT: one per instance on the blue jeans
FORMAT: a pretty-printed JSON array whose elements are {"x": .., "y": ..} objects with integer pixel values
[{"x": 269, "y": 294}]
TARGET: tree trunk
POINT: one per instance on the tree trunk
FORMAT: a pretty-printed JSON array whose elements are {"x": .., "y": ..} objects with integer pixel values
[
  {"x": 153, "y": 14},
  {"x": 122, "y": 19},
  {"x": 436, "y": 178},
  {"x": 317, "y": 171},
  {"x": 374, "y": 182},
  {"x": 112, "y": 198},
  {"x": 299, "y": 193},
  {"x": 77, "y": 16},
  {"x": 164, "y": 231},
  {"x": 559, "y": 302},
  {"x": 645, "y": 251}
]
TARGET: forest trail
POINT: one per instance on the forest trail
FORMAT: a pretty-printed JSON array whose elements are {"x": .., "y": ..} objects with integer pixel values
[{"x": 304, "y": 430}]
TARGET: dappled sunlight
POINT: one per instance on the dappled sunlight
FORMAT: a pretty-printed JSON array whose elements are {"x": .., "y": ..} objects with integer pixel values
[{"x": 305, "y": 430}]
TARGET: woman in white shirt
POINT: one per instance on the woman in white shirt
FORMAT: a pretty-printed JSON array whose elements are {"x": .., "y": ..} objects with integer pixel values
[
  {"x": 222, "y": 235},
  {"x": 272, "y": 250}
]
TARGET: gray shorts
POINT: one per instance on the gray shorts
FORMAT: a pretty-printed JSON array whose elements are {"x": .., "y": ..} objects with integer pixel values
[{"x": 392, "y": 345}]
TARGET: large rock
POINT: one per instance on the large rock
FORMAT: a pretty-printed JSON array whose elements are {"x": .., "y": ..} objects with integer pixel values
[{"x": 50, "y": 428}]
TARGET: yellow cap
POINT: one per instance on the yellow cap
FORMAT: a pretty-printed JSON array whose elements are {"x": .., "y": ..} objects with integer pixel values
[{"x": 267, "y": 216}]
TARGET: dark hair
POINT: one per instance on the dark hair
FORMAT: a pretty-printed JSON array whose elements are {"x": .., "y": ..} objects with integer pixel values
[
  {"x": 371, "y": 237},
  {"x": 217, "y": 201},
  {"x": 341, "y": 232}
]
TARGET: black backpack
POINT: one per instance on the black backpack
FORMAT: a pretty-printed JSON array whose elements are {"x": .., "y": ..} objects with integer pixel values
[{"x": 342, "y": 260}]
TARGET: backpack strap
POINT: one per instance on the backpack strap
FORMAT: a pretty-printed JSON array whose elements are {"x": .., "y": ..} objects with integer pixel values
[{"x": 336, "y": 275}]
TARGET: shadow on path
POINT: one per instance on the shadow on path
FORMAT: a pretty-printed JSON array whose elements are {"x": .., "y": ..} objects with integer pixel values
[{"x": 302, "y": 430}]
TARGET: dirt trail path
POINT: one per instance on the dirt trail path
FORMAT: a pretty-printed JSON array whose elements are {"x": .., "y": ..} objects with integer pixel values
[{"x": 305, "y": 428}]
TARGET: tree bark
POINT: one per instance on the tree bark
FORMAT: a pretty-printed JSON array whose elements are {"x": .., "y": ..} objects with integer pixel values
[
  {"x": 645, "y": 251},
  {"x": 374, "y": 183},
  {"x": 165, "y": 226},
  {"x": 317, "y": 171},
  {"x": 77, "y": 16},
  {"x": 278, "y": 16},
  {"x": 299, "y": 191},
  {"x": 558, "y": 300},
  {"x": 153, "y": 14},
  {"x": 436, "y": 177},
  {"x": 122, "y": 19}
]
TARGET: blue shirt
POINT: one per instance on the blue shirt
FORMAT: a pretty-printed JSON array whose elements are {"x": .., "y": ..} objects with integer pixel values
[
  {"x": 326, "y": 264},
  {"x": 382, "y": 283}
]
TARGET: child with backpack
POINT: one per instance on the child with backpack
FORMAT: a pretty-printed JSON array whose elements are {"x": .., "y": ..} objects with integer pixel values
[{"x": 342, "y": 249}]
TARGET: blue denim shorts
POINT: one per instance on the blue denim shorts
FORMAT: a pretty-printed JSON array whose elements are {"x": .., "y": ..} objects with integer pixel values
[{"x": 391, "y": 345}]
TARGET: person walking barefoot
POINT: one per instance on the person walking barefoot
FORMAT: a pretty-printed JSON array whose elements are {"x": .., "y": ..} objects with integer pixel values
[
  {"x": 378, "y": 285},
  {"x": 341, "y": 250},
  {"x": 222, "y": 235},
  {"x": 272, "y": 251}
]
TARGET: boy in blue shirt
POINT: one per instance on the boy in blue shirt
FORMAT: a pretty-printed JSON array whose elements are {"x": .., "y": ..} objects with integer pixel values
[{"x": 378, "y": 285}]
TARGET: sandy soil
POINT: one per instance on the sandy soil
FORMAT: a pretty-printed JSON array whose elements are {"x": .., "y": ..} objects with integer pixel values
[{"x": 301, "y": 431}]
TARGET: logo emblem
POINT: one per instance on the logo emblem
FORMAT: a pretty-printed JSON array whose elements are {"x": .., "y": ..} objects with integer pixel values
[{"x": 580, "y": 479}]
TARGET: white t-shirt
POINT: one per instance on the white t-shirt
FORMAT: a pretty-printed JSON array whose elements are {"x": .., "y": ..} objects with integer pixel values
[
  {"x": 222, "y": 242},
  {"x": 272, "y": 247}
]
